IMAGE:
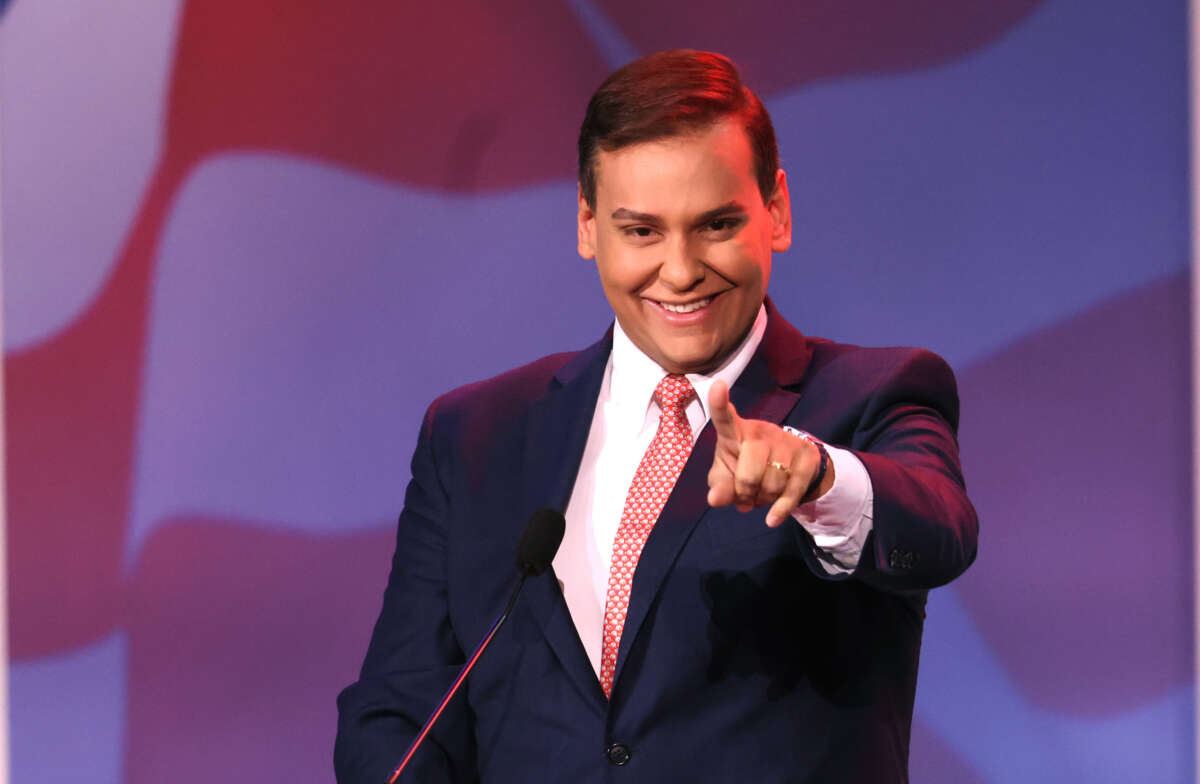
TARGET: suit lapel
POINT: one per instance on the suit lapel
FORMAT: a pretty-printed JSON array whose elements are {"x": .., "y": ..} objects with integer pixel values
[
  {"x": 558, "y": 427},
  {"x": 760, "y": 392},
  {"x": 556, "y": 435}
]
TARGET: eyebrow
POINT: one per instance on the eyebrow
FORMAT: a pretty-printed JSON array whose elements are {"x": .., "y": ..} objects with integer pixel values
[
  {"x": 622, "y": 213},
  {"x": 719, "y": 212}
]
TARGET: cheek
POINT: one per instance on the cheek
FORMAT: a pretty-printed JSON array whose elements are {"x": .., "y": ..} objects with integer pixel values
[
  {"x": 623, "y": 270},
  {"x": 617, "y": 279},
  {"x": 757, "y": 255},
  {"x": 742, "y": 264}
]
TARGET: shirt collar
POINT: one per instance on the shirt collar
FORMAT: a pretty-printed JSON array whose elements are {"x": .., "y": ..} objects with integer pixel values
[{"x": 635, "y": 375}]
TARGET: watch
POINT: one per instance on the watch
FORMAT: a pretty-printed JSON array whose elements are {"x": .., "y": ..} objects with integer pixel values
[{"x": 824, "y": 467}]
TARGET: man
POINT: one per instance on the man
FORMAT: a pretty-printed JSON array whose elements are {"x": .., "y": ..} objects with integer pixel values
[{"x": 753, "y": 516}]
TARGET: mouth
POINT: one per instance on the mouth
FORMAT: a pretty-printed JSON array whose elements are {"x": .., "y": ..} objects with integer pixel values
[{"x": 685, "y": 307}]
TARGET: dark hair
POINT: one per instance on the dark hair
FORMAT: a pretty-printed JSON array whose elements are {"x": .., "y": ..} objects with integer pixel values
[{"x": 667, "y": 94}]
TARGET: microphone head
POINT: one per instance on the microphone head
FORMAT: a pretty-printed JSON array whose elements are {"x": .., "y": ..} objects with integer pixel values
[{"x": 540, "y": 540}]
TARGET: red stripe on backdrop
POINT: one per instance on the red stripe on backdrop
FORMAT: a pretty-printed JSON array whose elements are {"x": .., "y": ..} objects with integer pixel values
[
  {"x": 458, "y": 95},
  {"x": 70, "y": 406},
  {"x": 239, "y": 639},
  {"x": 466, "y": 96},
  {"x": 781, "y": 45}
]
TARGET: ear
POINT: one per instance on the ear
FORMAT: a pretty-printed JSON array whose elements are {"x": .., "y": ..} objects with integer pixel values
[
  {"x": 780, "y": 208},
  {"x": 587, "y": 228}
]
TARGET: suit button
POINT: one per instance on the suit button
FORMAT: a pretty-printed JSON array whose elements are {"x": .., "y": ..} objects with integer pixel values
[
  {"x": 618, "y": 753},
  {"x": 902, "y": 559}
]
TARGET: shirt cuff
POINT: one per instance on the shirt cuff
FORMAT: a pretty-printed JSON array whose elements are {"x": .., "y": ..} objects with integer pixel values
[{"x": 840, "y": 520}]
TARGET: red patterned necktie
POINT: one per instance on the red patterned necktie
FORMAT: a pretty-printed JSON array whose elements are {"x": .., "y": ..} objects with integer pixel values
[{"x": 652, "y": 484}]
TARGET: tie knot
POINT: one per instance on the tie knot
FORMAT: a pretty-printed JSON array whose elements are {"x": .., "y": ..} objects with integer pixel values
[{"x": 673, "y": 393}]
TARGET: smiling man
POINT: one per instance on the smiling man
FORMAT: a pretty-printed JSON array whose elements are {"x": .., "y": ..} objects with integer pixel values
[
  {"x": 753, "y": 516},
  {"x": 683, "y": 239}
]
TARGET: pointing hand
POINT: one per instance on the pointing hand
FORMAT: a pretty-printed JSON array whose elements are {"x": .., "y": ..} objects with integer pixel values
[{"x": 759, "y": 463}]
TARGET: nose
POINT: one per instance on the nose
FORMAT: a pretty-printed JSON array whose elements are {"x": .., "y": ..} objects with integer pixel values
[{"x": 681, "y": 270}]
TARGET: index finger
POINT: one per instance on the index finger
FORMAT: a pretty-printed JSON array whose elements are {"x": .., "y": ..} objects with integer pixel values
[{"x": 724, "y": 416}]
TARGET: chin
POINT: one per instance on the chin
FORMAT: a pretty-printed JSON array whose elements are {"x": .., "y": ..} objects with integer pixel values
[{"x": 690, "y": 363}]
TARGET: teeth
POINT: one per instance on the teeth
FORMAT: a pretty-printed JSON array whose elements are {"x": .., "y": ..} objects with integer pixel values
[{"x": 688, "y": 308}]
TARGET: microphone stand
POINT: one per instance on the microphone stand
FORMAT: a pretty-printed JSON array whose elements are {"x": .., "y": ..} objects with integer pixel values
[{"x": 462, "y": 676}]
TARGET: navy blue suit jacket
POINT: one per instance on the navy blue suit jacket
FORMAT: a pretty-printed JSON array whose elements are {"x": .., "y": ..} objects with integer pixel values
[{"x": 741, "y": 659}]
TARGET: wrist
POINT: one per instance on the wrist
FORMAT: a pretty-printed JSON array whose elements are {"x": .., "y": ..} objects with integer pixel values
[{"x": 823, "y": 477}]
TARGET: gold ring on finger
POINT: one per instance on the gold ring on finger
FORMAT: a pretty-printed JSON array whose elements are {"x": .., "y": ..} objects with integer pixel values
[{"x": 780, "y": 466}]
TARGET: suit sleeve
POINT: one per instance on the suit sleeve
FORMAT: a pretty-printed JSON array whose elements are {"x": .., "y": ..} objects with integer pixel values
[
  {"x": 413, "y": 655},
  {"x": 924, "y": 529}
]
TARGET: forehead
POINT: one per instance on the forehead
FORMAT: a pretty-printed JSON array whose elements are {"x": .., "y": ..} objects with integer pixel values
[{"x": 713, "y": 164}]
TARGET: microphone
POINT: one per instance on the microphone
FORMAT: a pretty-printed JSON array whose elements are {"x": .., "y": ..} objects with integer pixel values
[
  {"x": 535, "y": 551},
  {"x": 539, "y": 542}
]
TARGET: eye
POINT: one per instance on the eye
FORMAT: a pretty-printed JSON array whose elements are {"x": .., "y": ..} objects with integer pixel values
[
  {"x": 723, "y": 227},
  {"x": 639, "y": 234}
]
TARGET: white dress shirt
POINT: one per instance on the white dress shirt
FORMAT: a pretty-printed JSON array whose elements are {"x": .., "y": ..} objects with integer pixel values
[{"x": 623, "y": 425}]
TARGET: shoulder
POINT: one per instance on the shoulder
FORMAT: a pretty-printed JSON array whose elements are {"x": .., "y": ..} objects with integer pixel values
[
  {"x": 881, "y": 362},
  {"x": 504, "y": 395},
  {"x": 523, "y": 381},
  {"x": 880, "y": 377},
  {"x": 507, "y": 396},
  {"x": 798, "y": 357}
]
